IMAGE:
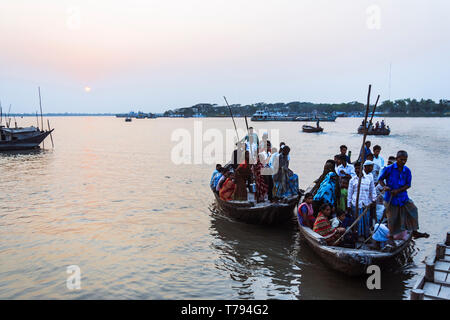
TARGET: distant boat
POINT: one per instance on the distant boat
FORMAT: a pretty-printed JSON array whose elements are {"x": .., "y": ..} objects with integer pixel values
[
  {"x": 307, "y": 128},
  {"x": 329, "y": 118},
  {"x": 265, "y": 116},
  {"x": 21, "y": 138},
  {"x": 375, "y": 131},
  {"x": 127, "y": 119}
]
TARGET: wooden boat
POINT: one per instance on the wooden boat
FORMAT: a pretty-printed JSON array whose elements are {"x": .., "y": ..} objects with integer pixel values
[
  {"x": 127, "y": 119},
  {"x": 265, "y": 213},
  {"x": 375, "y": 132},
  {"x": 353, "y": 262},
  {"x": 307, "y": 128},
  {"x": 21, "y": 138}
]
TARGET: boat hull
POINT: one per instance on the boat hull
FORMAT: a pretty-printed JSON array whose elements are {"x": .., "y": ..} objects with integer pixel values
[
  {"x": 311, "y": 129},
  {"x": 353, "y": 262},
  {"x": 269, "y": 214},
  {"x": 385, "y": 132},
  {"x": 24, "y": 144}
]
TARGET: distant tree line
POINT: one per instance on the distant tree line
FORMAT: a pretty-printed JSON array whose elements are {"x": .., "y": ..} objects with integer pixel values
[{"x": 400, "y": 107}]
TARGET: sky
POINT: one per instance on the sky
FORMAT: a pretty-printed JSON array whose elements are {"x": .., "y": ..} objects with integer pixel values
[{"x": 155, "y": 55}]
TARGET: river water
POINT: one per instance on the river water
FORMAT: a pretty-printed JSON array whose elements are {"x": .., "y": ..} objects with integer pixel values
[{"x": 112, "y": 199}]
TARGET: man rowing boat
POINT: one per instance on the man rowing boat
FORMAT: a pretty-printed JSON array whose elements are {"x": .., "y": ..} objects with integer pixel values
[{"x": 401, "y": 212}]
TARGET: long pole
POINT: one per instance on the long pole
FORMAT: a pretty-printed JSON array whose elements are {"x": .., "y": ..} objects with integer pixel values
[
  {"x": 231, "y": 113},
  {"x": 362, "y": 154},
  {"x": 42, "y": 118},
  {"x": 51, "y": 138},
  {"x": 373, "y": 111}
]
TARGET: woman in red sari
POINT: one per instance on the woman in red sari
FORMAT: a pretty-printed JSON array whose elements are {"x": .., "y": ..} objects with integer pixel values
[
  {"x": 228, "y": 188},
  {"x": 323, "y": 226}
]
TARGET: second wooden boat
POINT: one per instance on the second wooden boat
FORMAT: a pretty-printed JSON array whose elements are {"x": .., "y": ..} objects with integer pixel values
[{"x": 266, "y": 213}]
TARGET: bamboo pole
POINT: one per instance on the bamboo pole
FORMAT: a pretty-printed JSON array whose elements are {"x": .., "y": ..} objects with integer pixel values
[
  {"x": 42, "y": 119},
  {"x": 363, "y": 151},
  {"x": 51, "y": 138},
  {"x": 231, "y": 113}
]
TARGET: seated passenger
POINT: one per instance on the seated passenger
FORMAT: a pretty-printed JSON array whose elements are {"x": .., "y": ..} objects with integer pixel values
[
  {"x": 323, "y": 226},
  {"x": 305, "y": 212},
  {"x": 227, "y": 190}
]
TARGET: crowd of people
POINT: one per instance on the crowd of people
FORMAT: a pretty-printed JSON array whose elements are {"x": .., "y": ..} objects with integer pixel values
[
  {"x": 349, "y": 203},
  {"x": 382, "y": 207},
  {"x": 258, "y": 168}
]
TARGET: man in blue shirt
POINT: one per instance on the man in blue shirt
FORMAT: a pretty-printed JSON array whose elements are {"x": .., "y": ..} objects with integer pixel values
[
  {"x": 400, "y": 211},
  {"x": 215, "y": 176}
]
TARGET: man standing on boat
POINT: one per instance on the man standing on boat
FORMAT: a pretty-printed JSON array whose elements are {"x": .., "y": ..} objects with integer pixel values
[
  {"x": 252, "y": 144},
  {"x": 400, "y": 211}
]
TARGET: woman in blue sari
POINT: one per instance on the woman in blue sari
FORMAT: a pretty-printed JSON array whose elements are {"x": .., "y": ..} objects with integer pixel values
[
  {"x": 285, "y": 182},
  {"x": 328, "y": 190}
]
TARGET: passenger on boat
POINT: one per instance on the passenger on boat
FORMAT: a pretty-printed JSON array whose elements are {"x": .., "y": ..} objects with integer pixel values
[
  {"x": 382, "y": 235},
  {"x": 329, "y": 190},
  {"x": 343, "y": 182},
  {"x": 238, "y": 155},
  {"x": 282, "y": 145},
  {"x": 285, "y": 181},
  {"x": 383, "y": 125},
  {"x": 265, "y": 143},
  {"x": 345, "y": 169},
  {"x": 225, "y": 174},
  {"x": 344, "y": 220},
  {"x": 391, "y": 160},
  {"x": 344, "y": 149},
  {"x": 367, "y": 197},
  {"x": 401, "y": 212},
  {"x": 377, "y": 126},
  {"x": 306, "y": 212},
  {"x": 323, "y": 226},
  {"x": 261, "y": 185},
  {"x": 252, "y": 144},
  {"x": 242, "y": 176},
  {"x": 217, "y": 174},
  {"x": 228, "y": 188},
  {"x": 378, "y": 162}
]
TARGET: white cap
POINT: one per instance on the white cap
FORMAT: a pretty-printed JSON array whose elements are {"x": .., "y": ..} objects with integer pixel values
[{"x": 368, "y": 163}]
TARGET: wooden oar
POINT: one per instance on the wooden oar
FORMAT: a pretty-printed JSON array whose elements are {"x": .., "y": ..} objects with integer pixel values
[
  {"x": 356, "y": 220},
  {"x": 379, "y": 223}
]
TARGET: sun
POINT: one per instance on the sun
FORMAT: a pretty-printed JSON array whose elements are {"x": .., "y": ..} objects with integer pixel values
[{"x": 87, "y": 89}]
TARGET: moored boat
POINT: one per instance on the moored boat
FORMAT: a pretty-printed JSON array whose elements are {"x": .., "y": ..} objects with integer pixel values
[
  {"x": 265, "y": 213},
  {"x": 21, "y": 138},
  {"x": 307, "y": 128}
]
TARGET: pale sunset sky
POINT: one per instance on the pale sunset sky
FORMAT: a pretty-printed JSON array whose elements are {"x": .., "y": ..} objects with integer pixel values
[{"x": 154, "y": 55}]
